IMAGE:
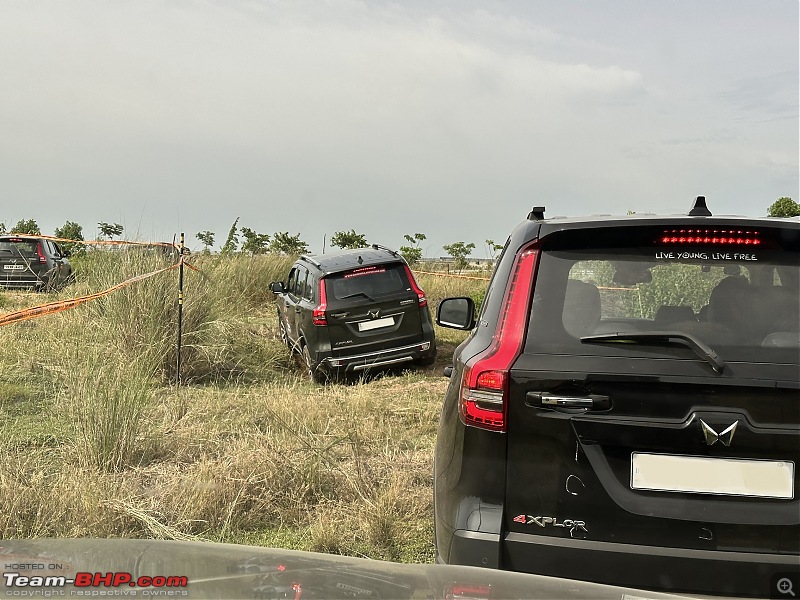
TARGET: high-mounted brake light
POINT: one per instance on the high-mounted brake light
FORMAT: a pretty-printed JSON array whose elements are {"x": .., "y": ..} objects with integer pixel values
[
  {"x": 713, "y": 237},
  {"x": 484, "y": 383},
  {"x": 318, "y": 315},
  {"x": 423, "y": 300},
  {"x": 42, "y": 257}
]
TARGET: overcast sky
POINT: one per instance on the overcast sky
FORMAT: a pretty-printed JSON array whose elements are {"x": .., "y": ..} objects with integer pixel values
[{"x": 449, "y": 118}]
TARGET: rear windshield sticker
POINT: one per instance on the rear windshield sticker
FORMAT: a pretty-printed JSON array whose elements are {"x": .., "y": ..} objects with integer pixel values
[{"x": 705, "y": 256}]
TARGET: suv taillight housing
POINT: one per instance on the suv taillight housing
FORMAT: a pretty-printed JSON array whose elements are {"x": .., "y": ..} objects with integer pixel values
[
  {"x": 318, "y": 315},
  {"x": 483, "y": 396},
  {"x": 40, "y": 252},
  {"x": 423, "y": 300}
]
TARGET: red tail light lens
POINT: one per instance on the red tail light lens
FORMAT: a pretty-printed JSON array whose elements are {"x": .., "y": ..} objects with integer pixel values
[
  {"x": 484, "y": 384},
  {"x": 423, "y": 300},
  {"x": 42, "y": 257},
  {"x": 318, "y": 316}
]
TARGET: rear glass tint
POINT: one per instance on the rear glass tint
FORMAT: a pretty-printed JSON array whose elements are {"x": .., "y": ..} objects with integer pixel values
[
  {"x": 18, "y": 247},
  {"x": 743, "y": 302},
  {"x": 368, "y": 282}
]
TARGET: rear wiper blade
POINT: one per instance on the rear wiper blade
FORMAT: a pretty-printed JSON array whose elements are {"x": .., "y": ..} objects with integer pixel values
[
  {"x": 367, "y": 296},
  {"x": 655, "y": 337}
]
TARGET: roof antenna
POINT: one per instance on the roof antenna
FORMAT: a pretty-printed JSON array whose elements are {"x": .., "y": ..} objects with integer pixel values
[
  {"x": 699, "y": 208},
  {"x": 537, "y": 214}
]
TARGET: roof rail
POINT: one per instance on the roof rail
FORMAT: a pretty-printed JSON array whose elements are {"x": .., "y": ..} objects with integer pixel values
[
  {"x": 699, "y": 208},
  {"x": 537, "y": 214},
  {"x": 311, "y": 260},
  {"x": 389, "y": 250}
]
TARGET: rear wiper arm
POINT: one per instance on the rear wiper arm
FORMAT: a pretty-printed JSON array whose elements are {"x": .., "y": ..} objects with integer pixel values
[
  {"x": 655, "y": 337},
  {"x": 367, "y": 296}
]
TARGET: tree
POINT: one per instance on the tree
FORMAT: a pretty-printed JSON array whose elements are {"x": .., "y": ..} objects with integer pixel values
[
  {"x": 348, "y": 239},
  {"x": 412, "y": 253},
  {"x": 2, "y": 227},
  {"x": 283, "y": 243},
  {"x": 784, "y": 207},
  {"x": 207, "y": 239},
  {"x": 29, "y": 226},
  {"x": 71, "y": 231},
  {"x": 255, "y": 243},
  {"x": 232, "y": 241},
  {"x": 109, "y": 231},
  {"x": 492, "y": 249},
  {"x": 459, "y": 251}
]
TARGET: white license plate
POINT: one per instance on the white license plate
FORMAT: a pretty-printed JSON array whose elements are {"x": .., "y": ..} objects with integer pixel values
[
  {"x": 376, "y": 324},
  {"x": 13, "y": 267},
  {"x": 712, "y": 475}
]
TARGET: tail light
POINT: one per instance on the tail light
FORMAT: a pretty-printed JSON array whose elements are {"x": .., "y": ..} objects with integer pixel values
[
  {"x": 42, "y": 257},
  {"x": 318, "y": 316},
  {"x": 484, "y": 383},
  {"x": 423, "y": 300}
]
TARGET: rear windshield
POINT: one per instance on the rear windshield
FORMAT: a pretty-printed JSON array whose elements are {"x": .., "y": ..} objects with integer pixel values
[
  {"x": 368, "y": 282},
  {"x": 744, "y": 303},
  {"x": 18, "y": 247}
]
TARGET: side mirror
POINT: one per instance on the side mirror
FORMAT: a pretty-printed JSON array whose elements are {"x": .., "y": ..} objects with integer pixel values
[
  {"x": 456, "y": 313},
  {"x": 66, "y": 253},
  {"x": 277, "y": 287}
]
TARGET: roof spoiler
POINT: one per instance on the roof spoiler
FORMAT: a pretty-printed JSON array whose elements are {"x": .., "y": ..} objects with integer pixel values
[{"x": 537, "y": 214}]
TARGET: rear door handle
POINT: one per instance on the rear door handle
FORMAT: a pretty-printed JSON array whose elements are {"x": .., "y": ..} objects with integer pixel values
[{"x": 557, "y": 401}]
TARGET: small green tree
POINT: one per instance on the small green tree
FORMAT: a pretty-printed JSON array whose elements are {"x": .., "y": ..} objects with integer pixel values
[
  {"x": 348, "y": 239},
  {"x": 29, "y": 226},
  {"x": 492, "y": 249},
  {"x": 283, "y": 243},
  {"x": 412, "y": 253},
  {"x": 232, "y": 241},
  {"x": 109, "y": 230},
  {"x": 254, "y": 243},
  {"x": 71, "y": 231},
  {"x": 784, "y": 207},
  {"x": 459, "y": 251},
  {"x": 2, "y": 228},
  {"x": 207, "y": 239}
]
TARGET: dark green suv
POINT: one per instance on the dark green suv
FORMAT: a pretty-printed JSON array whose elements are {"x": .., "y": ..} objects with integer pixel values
[{"x": 353, "y": 311}]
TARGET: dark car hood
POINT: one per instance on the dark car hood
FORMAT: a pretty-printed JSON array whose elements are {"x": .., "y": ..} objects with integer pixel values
[{"x": 229, "y": 571}]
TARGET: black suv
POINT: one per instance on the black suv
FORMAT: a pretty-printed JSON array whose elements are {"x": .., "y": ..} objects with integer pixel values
[
  {"x": 354, "y": 310},
  {"x": 33, "y": 262},
  {"x": 627, "y": 408}
]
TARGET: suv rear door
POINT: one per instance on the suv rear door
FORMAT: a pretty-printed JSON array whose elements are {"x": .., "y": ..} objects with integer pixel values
[
  {"x": 678, "y": 428},
  {"x": 372, "y": 308}
]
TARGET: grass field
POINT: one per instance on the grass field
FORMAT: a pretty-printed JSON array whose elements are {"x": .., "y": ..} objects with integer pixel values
[{"x": 97, "y": 441}]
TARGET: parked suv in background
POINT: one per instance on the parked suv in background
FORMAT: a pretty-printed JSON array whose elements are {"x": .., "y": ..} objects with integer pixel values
[
  {"x": 354, "y": 310},
  {"x": 33, "y": 262},
  {"x": 627, "y": 408}
]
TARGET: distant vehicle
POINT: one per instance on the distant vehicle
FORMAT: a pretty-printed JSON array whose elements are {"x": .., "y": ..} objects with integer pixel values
[
  {"x": 627, "y": 409},
  {"x": 353, "y": 311},
  {"x": 33, "y": 262}
]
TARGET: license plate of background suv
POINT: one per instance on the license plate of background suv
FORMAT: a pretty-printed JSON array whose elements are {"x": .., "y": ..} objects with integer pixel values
[
  {"x": 712, "y": 475},
  {"x": 13, "y": 267},
  {"x": 376, "y": 324}
]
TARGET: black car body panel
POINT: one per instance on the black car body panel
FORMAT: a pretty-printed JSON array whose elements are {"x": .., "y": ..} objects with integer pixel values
[
  {"x": 355, "y": 310},
  {"x": 641, "y": 405},
  {"x": 32, "y": 262}
]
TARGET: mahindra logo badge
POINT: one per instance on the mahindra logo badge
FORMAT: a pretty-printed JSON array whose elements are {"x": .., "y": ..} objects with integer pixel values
[
  {"x": 726, "y": 436},
  {"x": 374, "y": 313}
]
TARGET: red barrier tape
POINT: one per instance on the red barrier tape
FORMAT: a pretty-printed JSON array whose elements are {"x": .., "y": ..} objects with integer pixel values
[{"x": 94, "y": 242}]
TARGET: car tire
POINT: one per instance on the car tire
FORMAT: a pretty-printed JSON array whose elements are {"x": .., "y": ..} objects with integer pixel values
[{"x": 313, "y": 372}]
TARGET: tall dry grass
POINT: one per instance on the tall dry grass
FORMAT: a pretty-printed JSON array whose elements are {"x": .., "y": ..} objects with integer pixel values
[{"x": 97, "y": 442}]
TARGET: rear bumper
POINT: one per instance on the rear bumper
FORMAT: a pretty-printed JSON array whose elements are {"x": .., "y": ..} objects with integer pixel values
[
  {"x": 381, "y": 358},
  {"x": 736, "y": 574}
]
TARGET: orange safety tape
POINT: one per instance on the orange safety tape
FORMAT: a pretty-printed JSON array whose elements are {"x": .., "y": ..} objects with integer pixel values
[
  {"x": 455, "y": 276},
  {"x": 94, "y": 242},
  {"x": 54, "y": 307}
]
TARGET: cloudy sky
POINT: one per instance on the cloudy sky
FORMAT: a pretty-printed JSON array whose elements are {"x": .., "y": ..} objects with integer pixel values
[{"x": 449, "y": 118}]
